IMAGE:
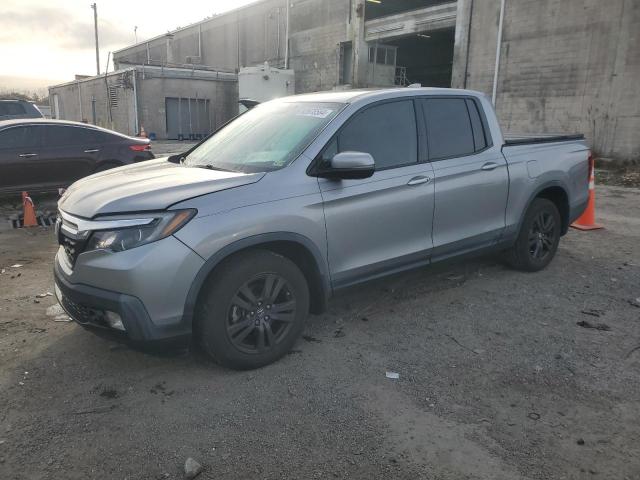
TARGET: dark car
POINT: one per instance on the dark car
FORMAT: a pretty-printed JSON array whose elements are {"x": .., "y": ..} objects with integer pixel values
[
  {"x": 18, "y": 109},
  {"x": 41, "y": 154}
]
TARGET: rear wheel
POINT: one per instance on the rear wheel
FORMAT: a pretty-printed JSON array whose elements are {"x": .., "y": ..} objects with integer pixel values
[
  {"x": 253, "y": 310},
  {"x": 538, "y": 239}
]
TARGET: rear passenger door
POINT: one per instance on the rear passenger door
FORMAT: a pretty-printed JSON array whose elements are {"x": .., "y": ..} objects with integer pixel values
[
  {"x": 382, "y": 223},
  {"x": 70, "y": 153},
  {"x": 471, "y": 177}
]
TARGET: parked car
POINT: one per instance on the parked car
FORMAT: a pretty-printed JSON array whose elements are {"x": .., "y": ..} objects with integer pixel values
[
  {"x": 42, "y": 155},
  {"x": 237, "y": 240},
  {"x": 10, "y": 109}
]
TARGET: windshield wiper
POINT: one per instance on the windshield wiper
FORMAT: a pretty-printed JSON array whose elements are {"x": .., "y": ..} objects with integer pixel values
[{"x": 208, "y": 166}]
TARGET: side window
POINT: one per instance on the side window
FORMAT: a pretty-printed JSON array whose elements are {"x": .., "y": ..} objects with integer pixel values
[
  {"x": 61, "y": 136},
  {"x": 58, "y": 136},
  {"x": 386, "y": 131},
  {"x": 479, "y": 138},
  {"x": 329, "y": 151},
  {"x": 19, "y": 138},
  {"x": 12, "y": 108},
  {"x": 449, "y": 131}
]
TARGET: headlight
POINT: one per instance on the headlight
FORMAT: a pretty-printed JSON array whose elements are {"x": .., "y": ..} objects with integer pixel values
[{"x": 129, "y": 232}]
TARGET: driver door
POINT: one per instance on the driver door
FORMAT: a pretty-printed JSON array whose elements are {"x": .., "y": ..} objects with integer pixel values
[{"x": 382, "y": 223}]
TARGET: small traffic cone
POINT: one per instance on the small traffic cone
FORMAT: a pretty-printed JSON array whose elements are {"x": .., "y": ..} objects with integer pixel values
[
  {"x": 29, "y": 216},
  {"x": 587, "y": 221},
  {"x": 142, "y": 133}
]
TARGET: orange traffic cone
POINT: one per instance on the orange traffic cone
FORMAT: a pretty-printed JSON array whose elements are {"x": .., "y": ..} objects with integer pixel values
[
  {"x": 29, "y": 216},
  {"x": 142, "y": 133},
  {"x": 587, "y": 221}
]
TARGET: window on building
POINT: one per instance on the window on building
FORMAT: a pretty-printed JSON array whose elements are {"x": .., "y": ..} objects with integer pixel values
[
  {"x": 391, "y": 56},
  {"x": 449, "y": 132},
  {"x": 113, "y": 96},
  {"x": 382, "y": 55}
]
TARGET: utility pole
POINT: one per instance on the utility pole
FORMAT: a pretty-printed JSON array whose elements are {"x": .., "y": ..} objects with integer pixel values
[
  {"x": 135, "y": 33},
  {"x": 95, "y": 25}
]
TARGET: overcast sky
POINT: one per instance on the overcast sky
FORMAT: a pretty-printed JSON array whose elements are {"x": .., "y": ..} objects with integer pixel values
[{"x": 52, "y": 40}]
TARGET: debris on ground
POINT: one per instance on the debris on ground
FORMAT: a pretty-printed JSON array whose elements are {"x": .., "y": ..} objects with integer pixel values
[
  {"x": 191, "y": 468},
  {"x": 455, "y": 278},
  {"x": 110, "y": 393},
  {"x": 597, "y": 326},
  {"x": 580, "y": 441},
  {"x": 58, "y": 313},
  {"x": 310, "y": 339},
  {"x": 533, "y": 416},
  {"x": 593, "y": 312},
  {"x": 635, "y": 303},
  {"x": 16, "y": 265},
  {"x": 393, "y": 375},
  {"x": 96, "y": 410},
  {"x": 338, "y": 333},
  {"x": 42, "y": 295}
]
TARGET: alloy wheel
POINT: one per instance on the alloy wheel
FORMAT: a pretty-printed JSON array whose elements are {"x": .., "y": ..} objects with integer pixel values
[
  {"x": 542, "y": 235},
  {"x": 261, "y": 313}
]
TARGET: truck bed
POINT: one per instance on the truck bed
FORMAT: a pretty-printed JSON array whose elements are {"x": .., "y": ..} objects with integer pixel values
[{"x": 523, "y": 139}]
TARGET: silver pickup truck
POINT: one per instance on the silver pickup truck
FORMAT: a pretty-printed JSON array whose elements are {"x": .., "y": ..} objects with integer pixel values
[{"x": 234, "y": 242}]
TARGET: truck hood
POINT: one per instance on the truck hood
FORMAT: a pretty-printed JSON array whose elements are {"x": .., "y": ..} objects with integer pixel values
[{"x": 152, "y": 185}]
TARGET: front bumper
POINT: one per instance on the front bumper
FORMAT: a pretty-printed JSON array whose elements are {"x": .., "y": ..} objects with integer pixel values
[
  {"x": 87, "y": 306},
  {"x": 146, "y": 286}
]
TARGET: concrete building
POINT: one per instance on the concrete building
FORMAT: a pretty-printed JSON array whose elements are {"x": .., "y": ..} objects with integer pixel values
[
  {"x": 563, "y": 65},
  {"x": 173, "y": 103}
]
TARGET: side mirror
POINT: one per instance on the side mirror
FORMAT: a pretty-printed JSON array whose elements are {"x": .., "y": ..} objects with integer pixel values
[{"x": 350, "y": 165}]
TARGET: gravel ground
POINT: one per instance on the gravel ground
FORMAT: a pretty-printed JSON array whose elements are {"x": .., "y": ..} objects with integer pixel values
[{"x": 496, "y": 378}]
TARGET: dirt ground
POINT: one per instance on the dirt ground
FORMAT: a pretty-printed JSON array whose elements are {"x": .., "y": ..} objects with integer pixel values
[{"x": 496, "y": 378}]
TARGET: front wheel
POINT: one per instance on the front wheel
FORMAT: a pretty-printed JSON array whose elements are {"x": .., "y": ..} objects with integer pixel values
[
  {"x": 253, "y": 309},
  {"x": 538, "y": 238}
]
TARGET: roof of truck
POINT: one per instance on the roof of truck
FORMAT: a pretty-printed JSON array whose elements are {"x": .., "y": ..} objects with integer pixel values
[{"x": 350, "y": 96}]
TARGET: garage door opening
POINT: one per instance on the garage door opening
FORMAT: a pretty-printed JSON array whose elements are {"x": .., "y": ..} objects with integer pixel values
[
  {"x": 187, "y": 118},
  {"x": 384, "y": 8},
  {"x": 425, "y": 58}
]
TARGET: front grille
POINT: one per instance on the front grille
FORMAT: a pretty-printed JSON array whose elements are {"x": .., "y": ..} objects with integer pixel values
[{"x": 73, "y": 244}]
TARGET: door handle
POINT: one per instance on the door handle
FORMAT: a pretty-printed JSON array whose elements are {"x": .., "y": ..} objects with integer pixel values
[
  {"x": 27, "y": 155},
  {"x": 92, "y": 150},
  {"x": 490, "y": 166},
  {"x": 419, "y": 180}
]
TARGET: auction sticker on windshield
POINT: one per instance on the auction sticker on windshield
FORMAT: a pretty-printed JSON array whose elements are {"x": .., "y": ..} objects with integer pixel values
[{"x": 314, "y": 112}]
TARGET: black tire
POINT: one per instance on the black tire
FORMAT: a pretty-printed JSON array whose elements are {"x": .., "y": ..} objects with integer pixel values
[
  {"x": 538, "y": 238},
  {"x": 252, "y": 310}
]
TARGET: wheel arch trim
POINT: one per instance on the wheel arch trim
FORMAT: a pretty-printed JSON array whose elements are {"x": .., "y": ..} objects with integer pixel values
[
  {"x": 536, "y": 193},
  {"x": 254, "y": 241}
]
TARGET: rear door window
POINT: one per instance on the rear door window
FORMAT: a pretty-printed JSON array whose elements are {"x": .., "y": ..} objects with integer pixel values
[
  {"x": 67, "y": 135},
  {"x": 386, "y": 131},
  {"x": 20, "y": 138},
  {"x": 479, "y": 137},
  {"x": 449, "y": 132}
]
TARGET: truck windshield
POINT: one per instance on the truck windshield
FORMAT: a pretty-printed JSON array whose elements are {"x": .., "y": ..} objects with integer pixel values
[{"x": 266, "y": 138}]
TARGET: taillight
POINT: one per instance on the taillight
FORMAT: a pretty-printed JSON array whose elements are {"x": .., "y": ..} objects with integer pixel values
[{"x": 140, "y": 148}]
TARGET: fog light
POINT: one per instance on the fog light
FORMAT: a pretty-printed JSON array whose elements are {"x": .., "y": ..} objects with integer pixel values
[{"x": 114, "y": 320}]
